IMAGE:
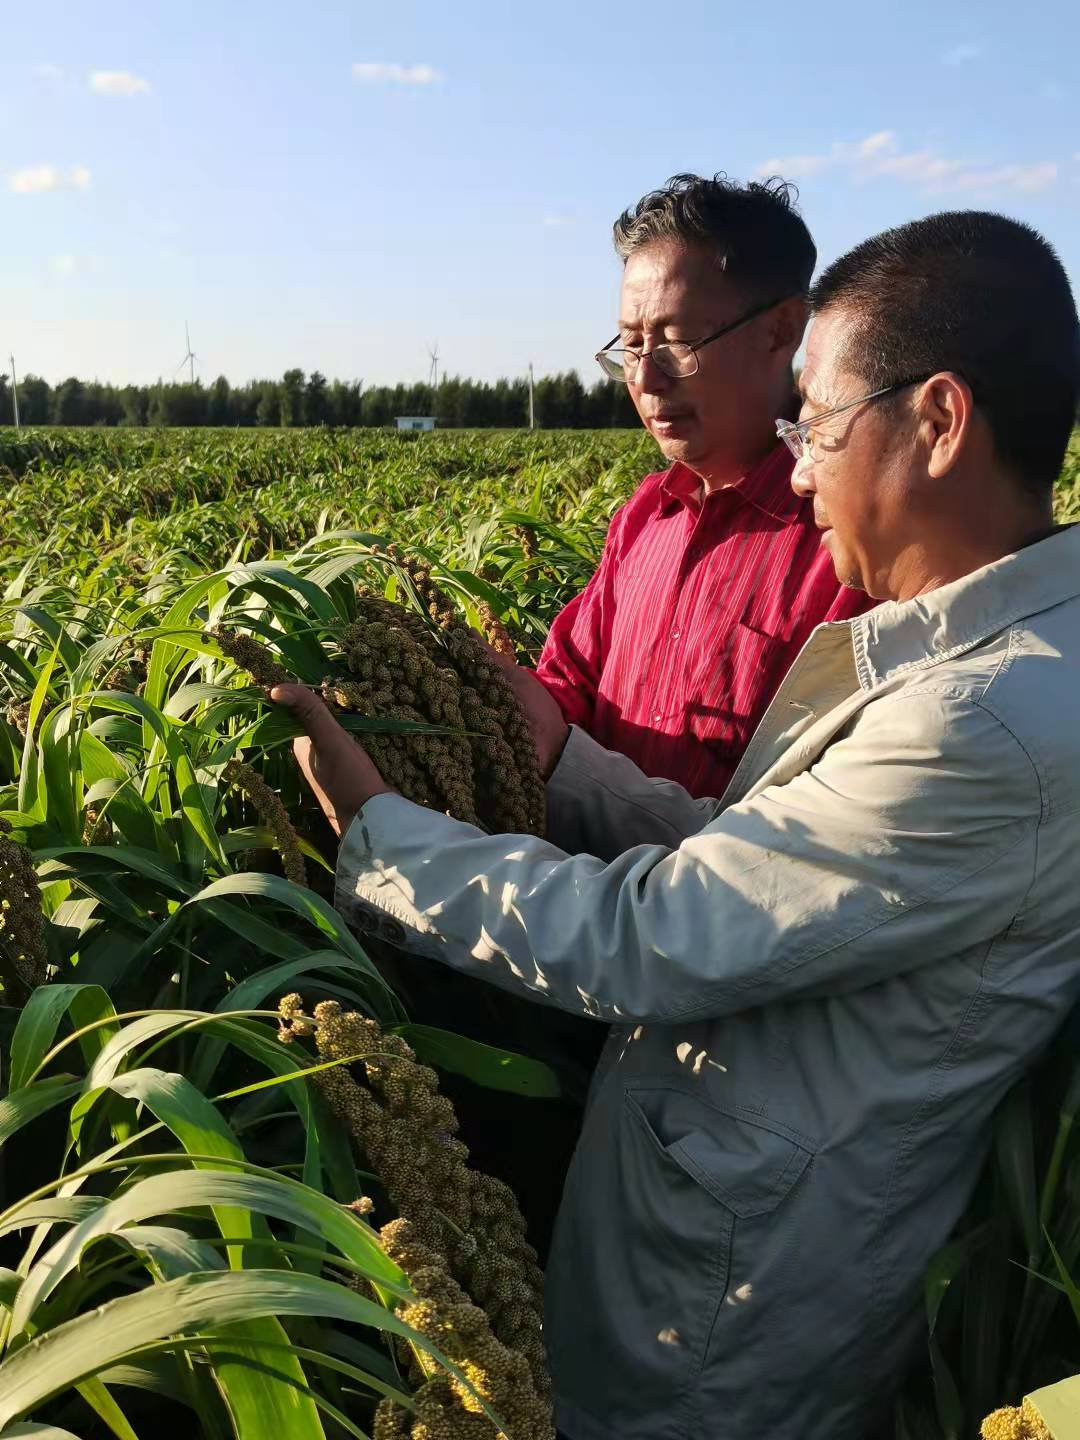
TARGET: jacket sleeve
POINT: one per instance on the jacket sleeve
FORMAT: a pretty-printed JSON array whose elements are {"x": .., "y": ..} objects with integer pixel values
[
  {"x": 912, "y": 838},
  {"x": 599, "y": 803}
]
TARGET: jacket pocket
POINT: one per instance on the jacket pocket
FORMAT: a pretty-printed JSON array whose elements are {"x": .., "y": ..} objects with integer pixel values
[{"x": 643, "y": 1259}]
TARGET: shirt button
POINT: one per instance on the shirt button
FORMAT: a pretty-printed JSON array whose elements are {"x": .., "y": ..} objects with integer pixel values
[
  {"x": 675, "y": 634},
  {"x": 658, "y": 717}
]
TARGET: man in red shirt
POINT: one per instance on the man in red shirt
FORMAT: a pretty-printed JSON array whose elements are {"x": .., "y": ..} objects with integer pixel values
[{"x": 712, "y": 577}]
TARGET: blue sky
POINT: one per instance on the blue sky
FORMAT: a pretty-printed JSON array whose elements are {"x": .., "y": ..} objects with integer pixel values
[{"x": 337, "y": 184}]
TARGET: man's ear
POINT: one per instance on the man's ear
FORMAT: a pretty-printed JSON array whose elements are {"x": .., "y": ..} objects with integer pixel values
[
  {"x": 946, "y": 414},
  {"x": 787, "y": 324}
]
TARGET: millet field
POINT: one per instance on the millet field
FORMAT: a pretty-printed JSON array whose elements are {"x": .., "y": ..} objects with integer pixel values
[{"x": 234, "y": 1196}]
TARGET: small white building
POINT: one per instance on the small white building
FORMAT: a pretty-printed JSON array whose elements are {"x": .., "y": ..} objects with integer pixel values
[{"x": 416, "y": 422}]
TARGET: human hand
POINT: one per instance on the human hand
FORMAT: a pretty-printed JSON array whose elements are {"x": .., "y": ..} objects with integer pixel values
[
  {"x": 338, "y": 769},
  {"x": 549, "y": 729}
]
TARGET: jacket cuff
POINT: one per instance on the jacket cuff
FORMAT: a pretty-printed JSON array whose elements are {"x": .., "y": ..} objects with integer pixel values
[{"x": 369, "y": 891}]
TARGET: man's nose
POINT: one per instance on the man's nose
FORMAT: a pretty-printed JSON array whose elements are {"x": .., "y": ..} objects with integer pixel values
[
  {"x": 649, "y": 378},
  {"x": 802, "y": 478}
]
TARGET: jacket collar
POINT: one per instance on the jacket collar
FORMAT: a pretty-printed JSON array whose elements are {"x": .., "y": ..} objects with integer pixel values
[{"x": 956, "y": 617}]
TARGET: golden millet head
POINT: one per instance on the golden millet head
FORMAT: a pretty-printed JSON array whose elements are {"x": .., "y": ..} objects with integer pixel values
[{"x": 1015, "y": 1423}]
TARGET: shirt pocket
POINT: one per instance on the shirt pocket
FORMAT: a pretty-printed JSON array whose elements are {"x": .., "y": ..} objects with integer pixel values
[
  {"x": 730, "y": 685},
  {"x": 773, "y": 613},
  {"x": 657, "y": 1214}
]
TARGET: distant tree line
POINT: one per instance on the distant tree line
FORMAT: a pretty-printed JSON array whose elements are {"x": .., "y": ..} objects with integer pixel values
[{"x": 560, "y": 401}]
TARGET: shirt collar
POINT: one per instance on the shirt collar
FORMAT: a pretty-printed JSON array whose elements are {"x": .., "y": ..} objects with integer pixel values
[
  {"x": 767, "y": 486},
  {"x": 899, "y": 635}
]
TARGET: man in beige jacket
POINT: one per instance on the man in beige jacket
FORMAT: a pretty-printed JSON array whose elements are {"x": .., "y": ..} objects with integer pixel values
[{"x": 822, "y": 985}]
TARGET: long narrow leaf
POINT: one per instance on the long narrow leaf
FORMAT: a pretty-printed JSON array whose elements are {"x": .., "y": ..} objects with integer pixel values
[{"x": 86, "y": 1345}]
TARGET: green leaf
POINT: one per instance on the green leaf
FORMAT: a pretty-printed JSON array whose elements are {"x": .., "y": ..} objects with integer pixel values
[
  {"x": 484, "y": 1064},
  {"x": 30, "y": 800},
  {"x": 21, "y": 666},
  {"x": 303, "y": 902},
  {"x": 950, "y": 1407},
  {"x": 164, "y": 651},
  {"x": 171, "y": 1252},
  {"x": 250, "y": 994},
  {"x": 138, "y": 1031},
  {"x": 218, "y": 899},
  {"x": 251, "y": 575},
  {"x": 32, "y": 1431},
  {"x": 9, "y": 1286},
  {"x": 946, "y": 1265},
  {"x": 1067, "y": 1282},
  {"x": 265, "y": 1400},
  {"x": 157, "y": 1374},
  {"x": 1014, "y": 1148},
  {"x": 192, "y": 1118},
  {"x": 987, "y": 1321},
  {"x": 97, "y": 1396},
  {"x": 53, "y": 1209},
  {"x": 87, "y": 860},
  {"x": 27, "y": 1104},
  {"x": 59, "y": 767},
  {"x": 40, "y": 1019},
  {"x": 279, "y": 725},
  {"x": 310, "y": 907},
  {"x": 60, "y": 1357},
  {"x": 125, "y": 807},
  {"x": 229, "y": 1195},
  {"x": 51, "y": 627},
  {"x": 261, "y": 837},
  {"x": 162, "y": 737}
]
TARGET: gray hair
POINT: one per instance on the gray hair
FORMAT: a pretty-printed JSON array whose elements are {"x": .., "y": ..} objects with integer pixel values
[{"x": 755, "y": 231}]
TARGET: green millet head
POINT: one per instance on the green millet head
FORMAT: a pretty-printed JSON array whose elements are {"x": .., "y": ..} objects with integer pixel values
[
  {"x": 23, "y": 951},
  {"x": 457, "y": 1236},
  {"x": 251, "y": 655},
  {"x": 270, "y": 809}
]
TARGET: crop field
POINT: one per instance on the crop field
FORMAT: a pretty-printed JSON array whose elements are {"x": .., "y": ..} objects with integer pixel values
[{"x": 231, "y": 1197}]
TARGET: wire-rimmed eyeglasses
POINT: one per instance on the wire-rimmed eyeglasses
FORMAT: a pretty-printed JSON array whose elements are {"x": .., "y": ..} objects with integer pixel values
[
  {"x": 797, "y": 434},
  {"x": 676, "y": 358}
]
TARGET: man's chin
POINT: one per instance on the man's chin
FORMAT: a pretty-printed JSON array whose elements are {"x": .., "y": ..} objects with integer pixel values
[
  {"x": 678, "y": 448},
  {"x": 845, "y": 570}
]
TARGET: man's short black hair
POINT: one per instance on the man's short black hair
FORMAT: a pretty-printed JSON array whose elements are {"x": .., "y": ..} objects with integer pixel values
[
  {"x": 755, "y": 231},
  {"x": 983, "y": 296}
]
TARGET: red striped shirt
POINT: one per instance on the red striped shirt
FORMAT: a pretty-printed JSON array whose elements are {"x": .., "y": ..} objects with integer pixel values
[{"x": 678, "y": 643}]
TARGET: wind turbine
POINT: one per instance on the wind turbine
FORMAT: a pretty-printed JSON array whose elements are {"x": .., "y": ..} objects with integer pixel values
[
  {"x": 190, "y": 358},
  {"x": 433, "y": 373}
]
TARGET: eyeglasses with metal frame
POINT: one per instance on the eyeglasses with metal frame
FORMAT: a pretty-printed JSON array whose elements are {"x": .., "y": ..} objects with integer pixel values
[
  {"x": 677, "y": 359},
  {"x": 797, "y": 434}
]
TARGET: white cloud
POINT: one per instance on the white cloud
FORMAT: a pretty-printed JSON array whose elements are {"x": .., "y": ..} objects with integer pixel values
[
  {"x": 37, "y": 179},
  {"x": 552, "y": 222},
  {"x": 378, "y": 73},
  {"x": 795, "y": 167},
  {"x": 118, "y": 82},
  {"x": 51, "y": 74},
  {"x": 1028, "y": 178},
  {"x": 961, "y": 54},
  {"x": 881, "y": 154},
  {"x": 64, "y": 264},
  {"x": 881, "y": 140}
]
